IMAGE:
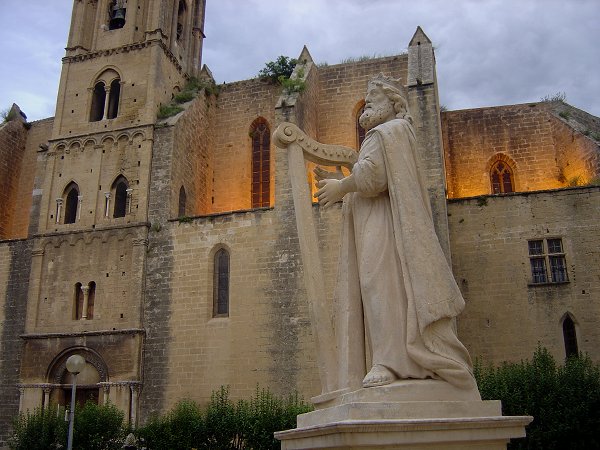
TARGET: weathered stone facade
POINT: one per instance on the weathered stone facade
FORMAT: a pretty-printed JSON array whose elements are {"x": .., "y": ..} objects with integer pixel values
[{"x": 151, "y": 335}]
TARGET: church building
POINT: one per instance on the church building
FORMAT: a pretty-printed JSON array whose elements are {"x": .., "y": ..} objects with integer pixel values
[{"x": 149, "y": 225}]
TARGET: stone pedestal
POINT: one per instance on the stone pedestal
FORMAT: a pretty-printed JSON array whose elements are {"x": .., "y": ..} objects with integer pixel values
[{"x": 389, "y": 417}]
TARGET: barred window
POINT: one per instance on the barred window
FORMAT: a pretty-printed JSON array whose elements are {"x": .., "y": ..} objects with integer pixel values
[{"x": 547, "y": 254}]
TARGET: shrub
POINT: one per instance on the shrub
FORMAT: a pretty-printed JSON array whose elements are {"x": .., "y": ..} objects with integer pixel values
[
  {"x": 168, "y": 111},
  {"x": 184, "y": 96},
  {"x": 224, "y": 424},
  {"x": 98, "y": 427},
  {"x": 564, "y": 400},
  {"x": 283, "y": 66},
  {"x": 39, "y": 430}
]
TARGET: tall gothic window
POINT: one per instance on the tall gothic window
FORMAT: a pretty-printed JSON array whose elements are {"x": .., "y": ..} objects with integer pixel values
[
  {"x": 221, "y": 284},
  {"x": 502, "y": 178},
  {"x": 120, "y": 187},
  {"x": 261, "y": 163},
  {"x": 182, "y": 201},
  {"x": 570, "y": 337},
  {"x": 71, "y": 202},
  {"x": 98, "y": 101},
  {"x": 91, "y": 299}
]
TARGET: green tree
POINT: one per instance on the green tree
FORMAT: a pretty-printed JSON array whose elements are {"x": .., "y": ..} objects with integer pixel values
[{"x": 277, "y": 70}]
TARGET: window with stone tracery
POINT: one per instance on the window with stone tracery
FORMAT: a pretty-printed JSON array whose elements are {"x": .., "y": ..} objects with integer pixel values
[
  {"x": 261, "y": 163},
  {"x": 502, "y": 178}
]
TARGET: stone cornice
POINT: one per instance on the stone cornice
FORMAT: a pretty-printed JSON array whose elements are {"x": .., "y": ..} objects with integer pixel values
[
  {"x": 125, "y": 49},
  {"x": 95, "y": 230},
  {"x": 30, "y": 336},
  {"x": 102, "y": 134}
]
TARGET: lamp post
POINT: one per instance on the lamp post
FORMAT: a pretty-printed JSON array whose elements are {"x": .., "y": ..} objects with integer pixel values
[{"x": 75, "y": 364}]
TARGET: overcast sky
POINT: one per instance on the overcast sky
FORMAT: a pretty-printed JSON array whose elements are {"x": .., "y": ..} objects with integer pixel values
[{"x": 489, "y": 52}]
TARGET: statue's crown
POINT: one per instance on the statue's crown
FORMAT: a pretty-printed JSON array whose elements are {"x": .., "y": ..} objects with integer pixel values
[{"x": 383, "y": 80}]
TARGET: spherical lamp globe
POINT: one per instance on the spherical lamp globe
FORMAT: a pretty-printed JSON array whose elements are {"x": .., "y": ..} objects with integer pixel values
[{"x": 75, "y": 363}]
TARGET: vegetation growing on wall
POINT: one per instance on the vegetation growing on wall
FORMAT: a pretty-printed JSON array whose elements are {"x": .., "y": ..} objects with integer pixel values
[
  {"x": 280, "y": 72},
  {"x": 190, "y": 91}
]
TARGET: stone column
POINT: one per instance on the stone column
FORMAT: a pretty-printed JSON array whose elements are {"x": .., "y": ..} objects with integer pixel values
[
  {"x": 105, "y": 393},
  {"x": 46, "y": 402},
  {"x": 79, "y": 199},
  {"x": 21, "y": 397},
  {"x": 107, "y": 204},
  {"x": 106, "y": 101},
  {"x": 133, "y": 405},
  {"x": 59, "y": 202},
  {"x": 129, "y": 196},
  {"x": 86, "y": 296}
]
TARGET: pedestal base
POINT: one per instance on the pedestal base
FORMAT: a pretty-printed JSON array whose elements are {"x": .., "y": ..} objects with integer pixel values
[{"x": 365, "y": 420}]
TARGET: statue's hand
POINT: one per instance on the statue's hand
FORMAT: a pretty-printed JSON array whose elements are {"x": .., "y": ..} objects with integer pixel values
[
  {"x": 322, "y": 174},
  {"x": 330, "y": 191}
]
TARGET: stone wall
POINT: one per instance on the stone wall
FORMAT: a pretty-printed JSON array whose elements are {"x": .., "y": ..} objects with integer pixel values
[
  {"x": 238, "y": 105},
  {"x": 193, "y": 158},
  {"x": 577, "y": 155},
  {"x": 13, "y": 136},
  {"x": 15, "y": 264},
  {"x": 94, "y": 162},
  {"x": 342, "y": 93},
  {"x": 474, "y": 137},
  {"x": 506, "y": 316}
]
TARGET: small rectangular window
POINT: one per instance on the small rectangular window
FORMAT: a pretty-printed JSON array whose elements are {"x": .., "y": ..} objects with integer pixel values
[{"x": 544, "y": 254}]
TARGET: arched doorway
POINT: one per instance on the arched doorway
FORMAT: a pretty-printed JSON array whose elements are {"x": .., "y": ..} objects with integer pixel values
[{"x": 88, "y": 381}]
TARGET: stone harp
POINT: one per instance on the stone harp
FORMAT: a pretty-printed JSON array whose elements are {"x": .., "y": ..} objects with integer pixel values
[{"x": 301, "y": 147}]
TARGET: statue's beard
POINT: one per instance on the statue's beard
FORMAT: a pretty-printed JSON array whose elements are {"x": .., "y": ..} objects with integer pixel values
[{"x": 370, "y": 118}]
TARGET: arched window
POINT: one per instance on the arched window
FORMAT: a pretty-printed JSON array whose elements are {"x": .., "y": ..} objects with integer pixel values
[
  {"x": 113, "y": 99},
  {"x": 221, "y": 284},
  {"x": 502, "y": 178},
  {"x": 182, "y": 200},
  {"x": 98, "y": 101},
  {"x": 71, "y": 196},
  {"x": 570, "y": 337},
  {"x": 91, "y": 299},
  {"x": 181, "y": 19},
  {"x": 119, "y": 188},
  {"x": 261, "y": 163},
  {"x": 77, "y": 302},
  {"x": 116, "y": 14},
  {"x": 360, "y": 131}
]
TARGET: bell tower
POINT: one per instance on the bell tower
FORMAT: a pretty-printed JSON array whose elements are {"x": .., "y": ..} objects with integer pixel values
[{"x": 123, "y": 59}]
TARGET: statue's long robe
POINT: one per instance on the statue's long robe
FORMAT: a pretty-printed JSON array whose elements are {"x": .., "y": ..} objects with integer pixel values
[{"x": 394, "y": 282}]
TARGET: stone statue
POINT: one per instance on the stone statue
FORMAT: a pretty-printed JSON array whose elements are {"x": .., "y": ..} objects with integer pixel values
[{"x": 396, "y": 297}]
